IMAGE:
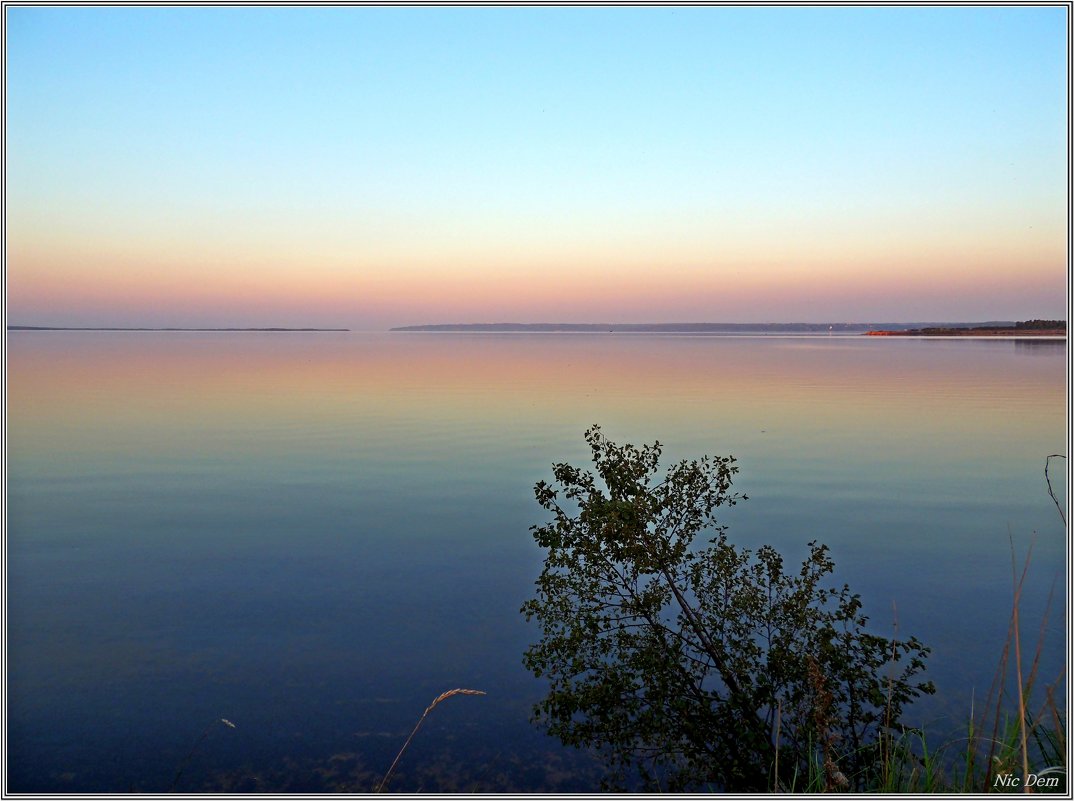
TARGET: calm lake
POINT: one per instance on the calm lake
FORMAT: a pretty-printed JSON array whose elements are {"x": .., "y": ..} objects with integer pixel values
[{"x": 313, "y": 535}]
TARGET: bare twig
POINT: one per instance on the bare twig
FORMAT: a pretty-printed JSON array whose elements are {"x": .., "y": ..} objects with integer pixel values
[
  {"x": 442, "y": 697},
  {"x": 1062, "y": 516},
  {"x": 193, "y": 748}
]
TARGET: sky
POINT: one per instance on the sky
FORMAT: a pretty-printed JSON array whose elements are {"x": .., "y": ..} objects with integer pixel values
[{"x": 368, "y": 167}]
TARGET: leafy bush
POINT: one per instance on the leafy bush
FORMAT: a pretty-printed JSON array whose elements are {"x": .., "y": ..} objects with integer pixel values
[{"x": 694, "y": 666}]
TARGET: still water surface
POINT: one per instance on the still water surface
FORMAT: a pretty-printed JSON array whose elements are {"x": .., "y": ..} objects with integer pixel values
[{"x": 313, "y": 535}]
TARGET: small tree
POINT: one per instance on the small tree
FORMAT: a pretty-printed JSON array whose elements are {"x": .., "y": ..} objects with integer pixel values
[{"x": 686, "y": 666}]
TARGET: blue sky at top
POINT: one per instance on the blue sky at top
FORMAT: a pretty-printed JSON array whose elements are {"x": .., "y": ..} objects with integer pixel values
[{"x": 564, "y": 132}]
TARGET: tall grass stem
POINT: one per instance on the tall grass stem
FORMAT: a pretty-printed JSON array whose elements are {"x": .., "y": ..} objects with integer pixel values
[{"x": 442, "y": 697}]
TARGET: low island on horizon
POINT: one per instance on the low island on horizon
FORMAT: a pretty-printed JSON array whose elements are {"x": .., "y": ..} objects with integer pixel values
[
  {"x": 1026, "y": 328},
  {"x": 996, "y": 328}
]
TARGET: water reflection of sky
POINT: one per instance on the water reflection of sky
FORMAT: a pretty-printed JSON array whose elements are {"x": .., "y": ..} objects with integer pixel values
[{"x": 314, "y": 535}]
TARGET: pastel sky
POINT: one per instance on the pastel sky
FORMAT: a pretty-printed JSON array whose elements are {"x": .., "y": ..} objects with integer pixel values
[{"x": 368, "y": 167}]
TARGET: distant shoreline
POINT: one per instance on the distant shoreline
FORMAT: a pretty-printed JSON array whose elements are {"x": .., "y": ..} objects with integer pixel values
[
  {"x": 1011, "y": 332},
  {"x": 963, "y": 334},
  {"x": 111, "y": 328},
  {"x": 689, "y": 328},
  {"x": 994, "y": 329}
]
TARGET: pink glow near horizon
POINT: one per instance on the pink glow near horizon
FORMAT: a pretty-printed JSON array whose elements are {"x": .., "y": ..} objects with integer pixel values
[
  {"x": 714, "y": 164},
  {"x": 367, "y": 299}
]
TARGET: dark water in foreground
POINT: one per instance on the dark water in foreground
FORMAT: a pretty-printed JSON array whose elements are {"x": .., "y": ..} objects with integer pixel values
[{"x": 313, "y": 535}]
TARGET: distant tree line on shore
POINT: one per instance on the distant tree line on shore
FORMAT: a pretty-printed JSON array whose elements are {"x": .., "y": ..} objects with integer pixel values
[{"x": 1038, "y": 325}]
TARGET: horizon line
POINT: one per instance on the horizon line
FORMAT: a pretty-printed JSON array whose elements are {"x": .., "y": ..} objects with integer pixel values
[{"x": 163, "y": 328}]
